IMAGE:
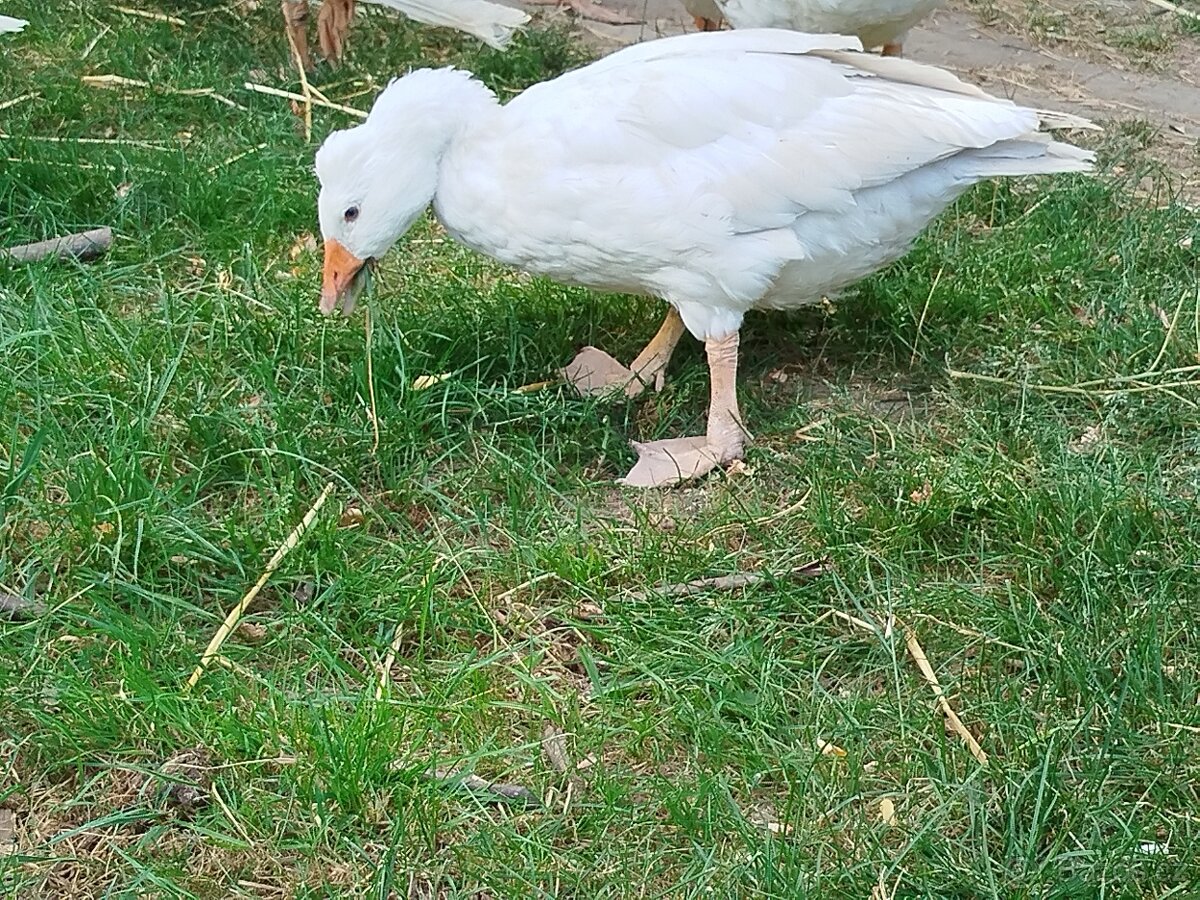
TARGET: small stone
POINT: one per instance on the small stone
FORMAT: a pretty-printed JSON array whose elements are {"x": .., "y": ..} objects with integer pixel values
[
  {"x": 252, "y": 632},
  {"x": 187, "y": 778}
]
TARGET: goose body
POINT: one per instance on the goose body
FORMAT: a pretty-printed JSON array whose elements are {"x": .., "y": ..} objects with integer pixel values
[
  {"x": 8, "y": 24},
  {"x": 877, "y": 23},
  {"x": 720, "y": 172}
]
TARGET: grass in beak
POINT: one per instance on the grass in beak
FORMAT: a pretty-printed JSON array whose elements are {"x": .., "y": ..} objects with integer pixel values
[{"x": 361, "y": 282}]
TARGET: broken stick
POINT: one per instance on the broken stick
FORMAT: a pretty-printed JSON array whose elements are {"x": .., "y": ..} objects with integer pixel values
[
  {"x": 484, "y": 789},
  {"x": 917, "y": 652},
  {"x": 554, "y": 745},
  {"x": 84, "y": 245},
  {"x": 813, "y": 569},
  {"x": 231, "y": 620},
  {"x": 1167, "y": 6}
]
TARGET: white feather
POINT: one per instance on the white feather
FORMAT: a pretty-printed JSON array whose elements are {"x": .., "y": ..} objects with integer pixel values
[{"x": 9, "y": 24}]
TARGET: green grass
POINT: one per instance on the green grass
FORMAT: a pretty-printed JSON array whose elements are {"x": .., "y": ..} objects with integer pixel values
[{"x": 170, "y": 412}]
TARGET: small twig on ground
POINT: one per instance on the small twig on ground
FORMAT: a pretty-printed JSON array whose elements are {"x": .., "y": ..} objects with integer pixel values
[
  {"x": 105, "y": 81},
  {"x": 1100, "y": 388},
  {"x": 782, "y": 513},
  {"x": 145, "y": 14},
  {"x": 978, "y": 635},
  {"x": 554, "y": 745},
  {"x": 1171, "y": 7},
  {"x": 229, "y": 814},
  {"x": 1027, "y": 385},
  {"x": 853, "y": 620},
  {"x": 304, "y": 87},
  {"x": 85, "y": 166},
  {"x": 764, "y": 520},
  {"x": 116, "y": 142},
  {"x": 231, "y": 620},
  {"x": 1078, "y": 391},
  {"x": 231, "y": 160},
  {"x": 535, "y": 386},
  {"x": 1170, "y": 333},
  {"x": 389, "y": 660},
  {"x": 299, "y": 98},
  {"x": 87, "y": 51},
  {"x": 238, "y": 669},
  {"x": 84, "y": 245},
  {"x": 729, "y": 582},
  {"x": 917, "y": 652},
  {"x": 5, "y": 104},
  {"x": 316, "y": 92},
  {"x": 1011, "y": 225},
  {"x": 537, "y": 579},
  {"x": 497, "y": 790}
]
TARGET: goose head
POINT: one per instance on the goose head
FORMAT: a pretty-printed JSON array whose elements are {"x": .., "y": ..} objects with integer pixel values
[
  {"x": 371, "y": 194},
  {"x": 378, "y": 177}
]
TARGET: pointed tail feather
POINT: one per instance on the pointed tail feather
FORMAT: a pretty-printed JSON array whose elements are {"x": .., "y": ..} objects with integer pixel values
[
  {"x": 492, "y": 23},
  {"x": 1077, "y": 158},
  {"x": 1035, "y": 154},
  {"x": 1052, "y": 119}
]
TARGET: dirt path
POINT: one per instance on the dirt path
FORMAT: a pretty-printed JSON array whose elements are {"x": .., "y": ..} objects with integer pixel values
[
  {"x": 1122, "y": 60},
  {"x": 958, "y": 41}
]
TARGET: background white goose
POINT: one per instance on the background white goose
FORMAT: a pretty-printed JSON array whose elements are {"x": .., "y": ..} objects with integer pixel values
[
  {"x": 721, "y": 172},
  {"x": 492, "y": 23},
  {"x": 877, "y": 23}
]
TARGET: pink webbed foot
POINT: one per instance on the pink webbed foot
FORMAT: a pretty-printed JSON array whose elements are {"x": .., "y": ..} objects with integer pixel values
[
  {"x": 595, "y": 373},
  {"x": 675, "y": 461}
]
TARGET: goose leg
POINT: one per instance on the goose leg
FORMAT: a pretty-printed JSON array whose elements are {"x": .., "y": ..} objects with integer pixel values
[
  {"x": 585, "y": 9},
  {"x": 295, "y": 19},
  {"x": 895, "y": 48},
  {"x": 594, "y": 372},
  {"x": 704, "y": 24},
  {"x": 333, "y": 27},
  {"x": 669, "y": 462}
]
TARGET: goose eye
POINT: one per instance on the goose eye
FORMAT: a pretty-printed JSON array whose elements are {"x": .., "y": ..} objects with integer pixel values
[{"x": 351, "y": 214}]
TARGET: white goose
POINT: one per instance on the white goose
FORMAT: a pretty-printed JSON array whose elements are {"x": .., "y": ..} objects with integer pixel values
[
  {"x": 10, "y": 25},
  {"x": 721, "y": 172},
  {"x": 877, "y": 23}
]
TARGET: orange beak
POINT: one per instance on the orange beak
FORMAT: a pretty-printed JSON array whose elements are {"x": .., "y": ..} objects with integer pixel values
[{"x": 341, "y": 267}]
